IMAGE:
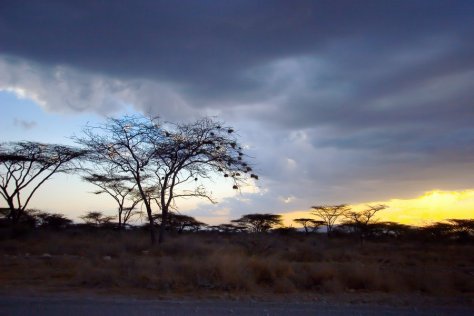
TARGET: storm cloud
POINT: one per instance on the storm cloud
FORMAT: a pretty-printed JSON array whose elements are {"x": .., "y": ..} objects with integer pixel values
[{"x": 339, "y": 101}]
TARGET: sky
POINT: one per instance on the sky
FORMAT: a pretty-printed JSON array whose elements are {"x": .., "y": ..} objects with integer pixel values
[{"x": 339, "y": 101}]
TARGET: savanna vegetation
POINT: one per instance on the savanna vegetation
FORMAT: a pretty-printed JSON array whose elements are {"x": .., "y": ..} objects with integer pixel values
[
  {"x": 144, "y": 165},
  {"x": 433, "y": 261}
]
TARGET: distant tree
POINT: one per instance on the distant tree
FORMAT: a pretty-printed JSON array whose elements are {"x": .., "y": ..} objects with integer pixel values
[
  {"x": 259, "y": 223},
  {"x": 25, "y": 166},
  {"x": 463, "y": 228},
  {"x": 362, "y": 221},
  {"x": 451, "y": 229},
  {"x": 179, "y": 223},
  {"x": 230, "y": 228},
  {"x": 122, "y": 189},
  {"x": 284, "y": 231},
  {"x": 27, "y": 222},
  {"x": 438, "y": 231},
  {"x": 309, "y": 224},
  {"x": 170, "y": 158},
  {"x": 97, "y": 218},
  {"x": 329, "y": 214},
  {"x": 185, "y": 222},
  {"x": 391, "y": 229},
  {"x": 52, "y": 221}
]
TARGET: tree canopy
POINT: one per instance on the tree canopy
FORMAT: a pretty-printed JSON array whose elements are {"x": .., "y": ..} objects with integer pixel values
[
  {"x": 179, "y": 222},
  {"x": 167, "y": 161},
  {"x": 25, "y": 166},
  {"x": 330, "y": 214},
  {"x": 97, "y": 218},
  {"x": 259, "y": 223},
  {"x": 121, "y": 189},
  {"x": 309, "y": 224}
]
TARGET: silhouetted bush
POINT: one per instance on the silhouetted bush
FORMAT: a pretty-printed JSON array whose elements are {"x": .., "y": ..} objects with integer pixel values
[
  {"x": 52, "y": 221},
  {"x": 285, "y": 231}
]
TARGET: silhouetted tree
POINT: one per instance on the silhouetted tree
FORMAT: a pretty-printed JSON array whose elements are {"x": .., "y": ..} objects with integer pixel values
[
  {"x": 179, "y": 223},
  {"x": 97, "y": 219},
  {"x": 52, "y": 221},
  {"x": 25, "y": 223},
  {"x": 309, "y": 224},
  {"x": 362, "y": 222},
  {"x": 451, "y": 229},
  {"x": 259, "y": 223},
  {"x": 167, "y": 158},
  {"x": 284, "y": 231},
  {"x": 25, "y": 166},
  {"x": 229, "y": 228},
  {"x": 122, "y": 189},
  {"x": 126, "y": 147},
  {"x": 463, "y": 228},
  {"x": 194, "y": 151},
  {"x": 329, "y": 214},
  {"x": 391, "y": 229},
  {"x": 438, "y": 231}
]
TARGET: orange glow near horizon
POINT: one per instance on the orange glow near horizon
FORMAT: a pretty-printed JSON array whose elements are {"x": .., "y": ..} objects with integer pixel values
[{"x": 430, "y": 207}]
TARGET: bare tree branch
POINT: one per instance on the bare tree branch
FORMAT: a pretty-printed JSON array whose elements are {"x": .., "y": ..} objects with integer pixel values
[
  {"x": 329, "y": 214},
  {"x": 166, "y": 161},
  {"x": 26, "y": 166}
]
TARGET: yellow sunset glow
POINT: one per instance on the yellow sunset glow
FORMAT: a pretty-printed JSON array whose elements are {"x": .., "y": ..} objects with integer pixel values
[{"x": 430, "y": 207}]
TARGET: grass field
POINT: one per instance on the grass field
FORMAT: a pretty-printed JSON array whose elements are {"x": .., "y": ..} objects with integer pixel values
[{"x": 210, "y": 264}]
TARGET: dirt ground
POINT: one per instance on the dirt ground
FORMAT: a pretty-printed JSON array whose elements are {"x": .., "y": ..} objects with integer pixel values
[{"x": 59, "y": 273}]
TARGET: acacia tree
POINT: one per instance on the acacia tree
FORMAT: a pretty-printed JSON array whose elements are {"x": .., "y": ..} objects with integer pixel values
[
  {"x": 121, "y": 189},
  {"x": 363, "y": 220},
  {"x": 166, "y": 162},
  {"x": 52, "y": 221},
  {"x": 329, "y": 214},
  {"x": 179, "y": 222},
  {"x": 25, "y": 166},
  {"x": 126, "y": 147},
  {"x": 392, "y": 229},
  {"x": 259, "y": 223},
  {"x": 192, "y": 152},
  {"x": 97, "y": 218},
  {"x": 229, "y": 228},
  {"x": 309, "y": 224}
]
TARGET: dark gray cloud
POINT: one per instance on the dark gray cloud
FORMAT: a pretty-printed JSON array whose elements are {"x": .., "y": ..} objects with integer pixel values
[
  {"x": 338, "y": 100},
  {"x": 208, "y": 44}
]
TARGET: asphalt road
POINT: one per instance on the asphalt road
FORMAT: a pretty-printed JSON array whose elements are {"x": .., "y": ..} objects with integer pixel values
[{"x": 52, "y": 306}]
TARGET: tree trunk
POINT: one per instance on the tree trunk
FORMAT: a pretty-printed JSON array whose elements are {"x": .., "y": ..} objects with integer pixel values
[
  {"x": 120, "y": 226},
  {"x": 12, "y": 213},
  {"x": 164, "y": 219},
  {"x": 16, "y": 216},
  {"x": 152, "y": 226},
  {"x": 152, "y": 233}
]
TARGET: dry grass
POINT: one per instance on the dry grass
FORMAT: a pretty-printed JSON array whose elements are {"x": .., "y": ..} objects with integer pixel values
[{"x": 243, "y": 264}]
